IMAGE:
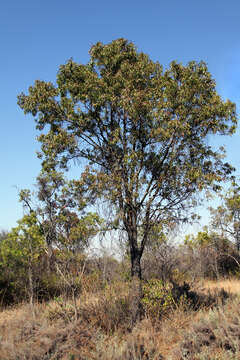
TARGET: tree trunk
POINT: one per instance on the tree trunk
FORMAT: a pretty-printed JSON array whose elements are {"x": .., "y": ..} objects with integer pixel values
[
  {"x": 136, "y": 287},
  {"x": 136, "y": 273},
  {"x": 50, "y": 259},
  {"x": 31, "y": 288},
  {"x": 30, "y": 281}
]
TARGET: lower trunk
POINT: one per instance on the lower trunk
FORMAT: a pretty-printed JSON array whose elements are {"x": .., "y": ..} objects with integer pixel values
[
  {"x": 50, "y": 259},
  {"x": 136, "y": 288},
  {"x": 136, "y": 264},
  {"x": 30, "y": 282},
  {"x": 74, "y": 304},
  {"x": 136, "y": 254},
  {"x": 31, "y": 288}
]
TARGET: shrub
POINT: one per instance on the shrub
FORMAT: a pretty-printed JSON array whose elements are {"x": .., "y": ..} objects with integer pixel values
[
  {"x": 110, "y": 310},
  {"x": 157, "y": 298}
]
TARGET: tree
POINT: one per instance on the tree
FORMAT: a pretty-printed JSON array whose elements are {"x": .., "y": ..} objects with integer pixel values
[
  {"x": 226, "y": 217},
  {"x": 139, "y": 131},
  {"x": 60, "y": 212},
  {"x": 22, "y": 248},
  {"x": 211, "y": 254}
]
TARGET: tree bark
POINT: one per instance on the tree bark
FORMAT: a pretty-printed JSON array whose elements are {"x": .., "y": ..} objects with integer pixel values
[
  {"x": 30, "y": 281},
  {"x": 50, "y": 259},
  {"x": 136, "y": 286},
  {"x": 31, "y": 288},
  {"x": 136, "y": 271}
]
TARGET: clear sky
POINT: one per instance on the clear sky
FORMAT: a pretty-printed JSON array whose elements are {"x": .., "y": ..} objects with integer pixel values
[{"x": 38, "y": 35}]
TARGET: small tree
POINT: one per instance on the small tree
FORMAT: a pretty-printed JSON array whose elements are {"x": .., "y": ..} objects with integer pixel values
[
  {"x": 141, "y": 132},
  {"x": 212, "y": 254},
  {"x": 226, "y": 217},
  {"x": 65, "y": 228},
  {"x": 22, "y": 248},
  {"x": 59, "y": 210}
]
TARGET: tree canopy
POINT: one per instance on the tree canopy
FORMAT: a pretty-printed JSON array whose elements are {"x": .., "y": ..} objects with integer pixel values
[{"x": 59, "y": 209}]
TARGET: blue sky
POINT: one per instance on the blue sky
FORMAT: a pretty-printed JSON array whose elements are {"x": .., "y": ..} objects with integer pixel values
[{"x": 37, "y": 36}]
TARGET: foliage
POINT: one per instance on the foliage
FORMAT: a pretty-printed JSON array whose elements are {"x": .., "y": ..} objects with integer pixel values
[
  {"x": 60, "y": 213},
  {"x": 24, "y": 243},
  {"x": 226, "y": 217},
  {"x": 157, "y": 298},
  {"x": 213, "y": 255},
  {"x": 20, "y": 253},
  {"x": 24, "y": 264}
]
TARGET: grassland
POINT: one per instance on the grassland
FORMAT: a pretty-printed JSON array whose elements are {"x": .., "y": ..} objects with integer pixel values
[{"x": 102, "y": 329}]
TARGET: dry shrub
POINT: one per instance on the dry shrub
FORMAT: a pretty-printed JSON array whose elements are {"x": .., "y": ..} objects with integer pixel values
[
  {"x": 110, "y": 310},
  {"x": 160, "y": 261},
  {"x": 91, "y": 283},
  {"x": 60, "y": 309},
  {"x": 160, "y": 298}
]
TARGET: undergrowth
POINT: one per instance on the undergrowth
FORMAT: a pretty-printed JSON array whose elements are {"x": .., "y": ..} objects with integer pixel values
[
  {"x": 216, "y": 335},
  {"x": 179, "y": 324}
]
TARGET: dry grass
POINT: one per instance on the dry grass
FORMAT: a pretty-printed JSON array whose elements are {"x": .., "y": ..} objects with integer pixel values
[
  {"x": 141, "y": 343},
  {"x": 216, "y": 333},
  {"x": 32, "y": 336},
  {"x": 231, "y": 286},
  {"x": 51, "y": 331},
  {"x": 171, "y": 330},
  {"x": 102, "y": 329}
]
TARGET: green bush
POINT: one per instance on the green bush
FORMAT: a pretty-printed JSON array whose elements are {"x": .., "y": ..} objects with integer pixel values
[{"x": 157, "y": 297}]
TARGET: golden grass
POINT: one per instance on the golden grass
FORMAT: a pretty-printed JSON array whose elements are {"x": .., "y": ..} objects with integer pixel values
[
  {"x": 216, "y": 334},
  {"x": 51, "y": 332},
  {"x": 229, "y": 285},
  {"x": 171, "y": 331},
  {"x": 29, "y": 335}
]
